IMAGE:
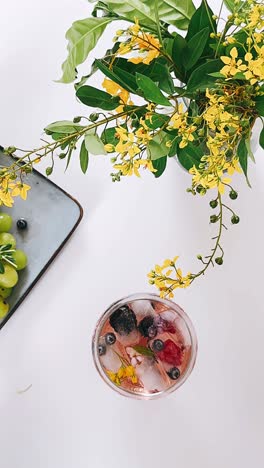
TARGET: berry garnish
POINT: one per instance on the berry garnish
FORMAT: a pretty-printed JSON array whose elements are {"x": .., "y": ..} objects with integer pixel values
[
  {"x": 123, "y": 320},
  {"x": 22, "y": 224},
  {"x": 110, "y": 338},
  {"x": 174, "y": 373},
  {"x": 171, "y": 353},
  {"x": 164, "y": 326},
  {"x": 147, "y": 327},
  {"x": 101, "y": 349},
  {"x": 157, "y": 345}
]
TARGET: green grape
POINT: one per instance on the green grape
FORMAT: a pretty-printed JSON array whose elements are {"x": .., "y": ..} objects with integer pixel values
[
  {"x": 4, "y": 308},
  {"x": 20, "y": 259},
  {"x": 9, "y": 278},
  {"x": 6, "y": 238},
  {"x": 5, "y": 292},
  {"x": 5, "y": 222}
]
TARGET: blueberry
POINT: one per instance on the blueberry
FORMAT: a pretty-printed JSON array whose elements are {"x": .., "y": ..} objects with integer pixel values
[
  {"x": 101, "y": 349},
  {"x": 147, "y": 327},
  {"x": 174, "y": 373},
  {"x": 157, "y": 345},
  {"x": 22, "y": 224},
  {"x": 123, "y": 320},
  {"x": 110, "y": 338}
]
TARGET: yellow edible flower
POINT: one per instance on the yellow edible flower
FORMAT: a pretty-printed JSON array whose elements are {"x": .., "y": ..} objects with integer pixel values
[{"x": 232, "y": 67}]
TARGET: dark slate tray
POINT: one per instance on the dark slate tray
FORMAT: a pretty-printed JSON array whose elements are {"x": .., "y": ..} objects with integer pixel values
[{"x": 52, "y": 216}]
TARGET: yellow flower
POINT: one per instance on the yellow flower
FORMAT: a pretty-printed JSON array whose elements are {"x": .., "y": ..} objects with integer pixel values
[
  {"x": 232, "y": 67},
  {"x": 109, "y": 148},
  {"x": 21, "y": 189},
  {"x": 165, "y": 282},
  {"x": 116, "y": 90}
]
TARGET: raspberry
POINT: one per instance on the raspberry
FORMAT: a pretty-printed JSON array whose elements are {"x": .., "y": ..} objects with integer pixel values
[{"x": 171, "y": 353}]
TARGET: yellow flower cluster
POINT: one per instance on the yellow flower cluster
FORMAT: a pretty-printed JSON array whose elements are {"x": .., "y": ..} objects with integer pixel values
[
  {"x": 223, "y": 131},
  {"x": 124, "y": 372},
  {"x": 130, "y": 146},
  {"x": 256, "y": 19},
  {"x": 146, "y": 45},
  {"x": 115, "y": 90},
  {"x": 179, "y": 122},
  {"x": 165, "y": 282},
  {"x": 253, "y": 69},
  {"x": 10, "y": 189}
]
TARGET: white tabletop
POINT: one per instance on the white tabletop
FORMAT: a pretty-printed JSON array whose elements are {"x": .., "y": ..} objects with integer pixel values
[{"x": 69, "y": 418}]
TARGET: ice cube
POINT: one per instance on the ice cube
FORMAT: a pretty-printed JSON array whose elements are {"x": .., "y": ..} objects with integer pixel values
[
  {"x": 142, "y": 307},
  {"x": 110, "y": 360},
  {"x": 150, "y": 376},
  {"x": 129, "y": 340}
]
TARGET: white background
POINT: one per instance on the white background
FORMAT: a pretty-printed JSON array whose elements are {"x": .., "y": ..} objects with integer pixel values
[{"x": 69, "y": 418}]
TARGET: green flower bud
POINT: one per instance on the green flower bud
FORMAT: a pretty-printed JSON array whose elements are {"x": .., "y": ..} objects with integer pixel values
[
  {"x": 49, "y": 171},
  {"x": 199, "y": 257},
  {"x": 233, "y": 195},
  {"x": 213, "y": 203},
  {"x": 77, "y": 119},
  {"x": 219, "y": 260},
  {"x": 10, "y": 150},
  {"x": 93, "y": 117},
  {"x": 201, "y": 190},
  {"x": 62, "y": 155},
  {"x": 213, "y": 219},
  {"x": 235, "y": 219}
]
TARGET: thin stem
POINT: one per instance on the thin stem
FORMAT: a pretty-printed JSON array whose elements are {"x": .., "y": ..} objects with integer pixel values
[
  {"x": 156, "y": 9},
  {"x": 217, "y": 243},
  {"x": 208, "y": 14},
  {"x": 56, "y": 144}
]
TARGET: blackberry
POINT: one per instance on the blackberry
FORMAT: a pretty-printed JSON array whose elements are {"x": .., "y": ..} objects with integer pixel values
[
  {"x": 174, "y": 373},
  {"x": 147, "y": 327},
  {"x": 123, "y": 320}
]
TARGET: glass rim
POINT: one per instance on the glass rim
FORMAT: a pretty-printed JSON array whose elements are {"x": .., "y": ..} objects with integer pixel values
[{"x": 179, "y": 311}]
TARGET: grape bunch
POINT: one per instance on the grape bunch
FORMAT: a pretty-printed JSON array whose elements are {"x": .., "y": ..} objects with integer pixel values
[{"x": 12, "y": 260}]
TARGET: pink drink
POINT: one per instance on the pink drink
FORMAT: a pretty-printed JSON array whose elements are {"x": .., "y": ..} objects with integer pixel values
[{"x": 144, "y": 346}]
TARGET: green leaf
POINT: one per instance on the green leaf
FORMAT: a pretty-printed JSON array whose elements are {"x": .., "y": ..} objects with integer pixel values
[
  {"x": 202, "y": 18},
  {"x": 143, "y": 350},
  {"x": 157, "y": 121},
  {"x": 94, "y": 97},
  {"x": 157, "y": 147},
  {"x": 259, "y": 100},
  {"x": 121, "y": 77},
  {"x": 93, "y": 143},
  {"x": 62, "y": 127},
  {"x": 249, "y": 150},
  {"x": 109, "y": 136},
  {"x": 160, "y": 166},
  {"x": 178, "y": 50},
  {"x": 195, "y": 48},
  {"x": 242, "y": 153},
  {"x": 82, "y": 38},
  {"x": 175, "y": 12},
  {"x": 230, "y": 5},
  {"x": 190, "y": 156},
  {"x": 84, "y": 157},
  {"x": 2, "y": 268},
  {"x": 151, "y": 91},
  {"x": 261, "y": 138},
  {"x": 200, "y": 78}
]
